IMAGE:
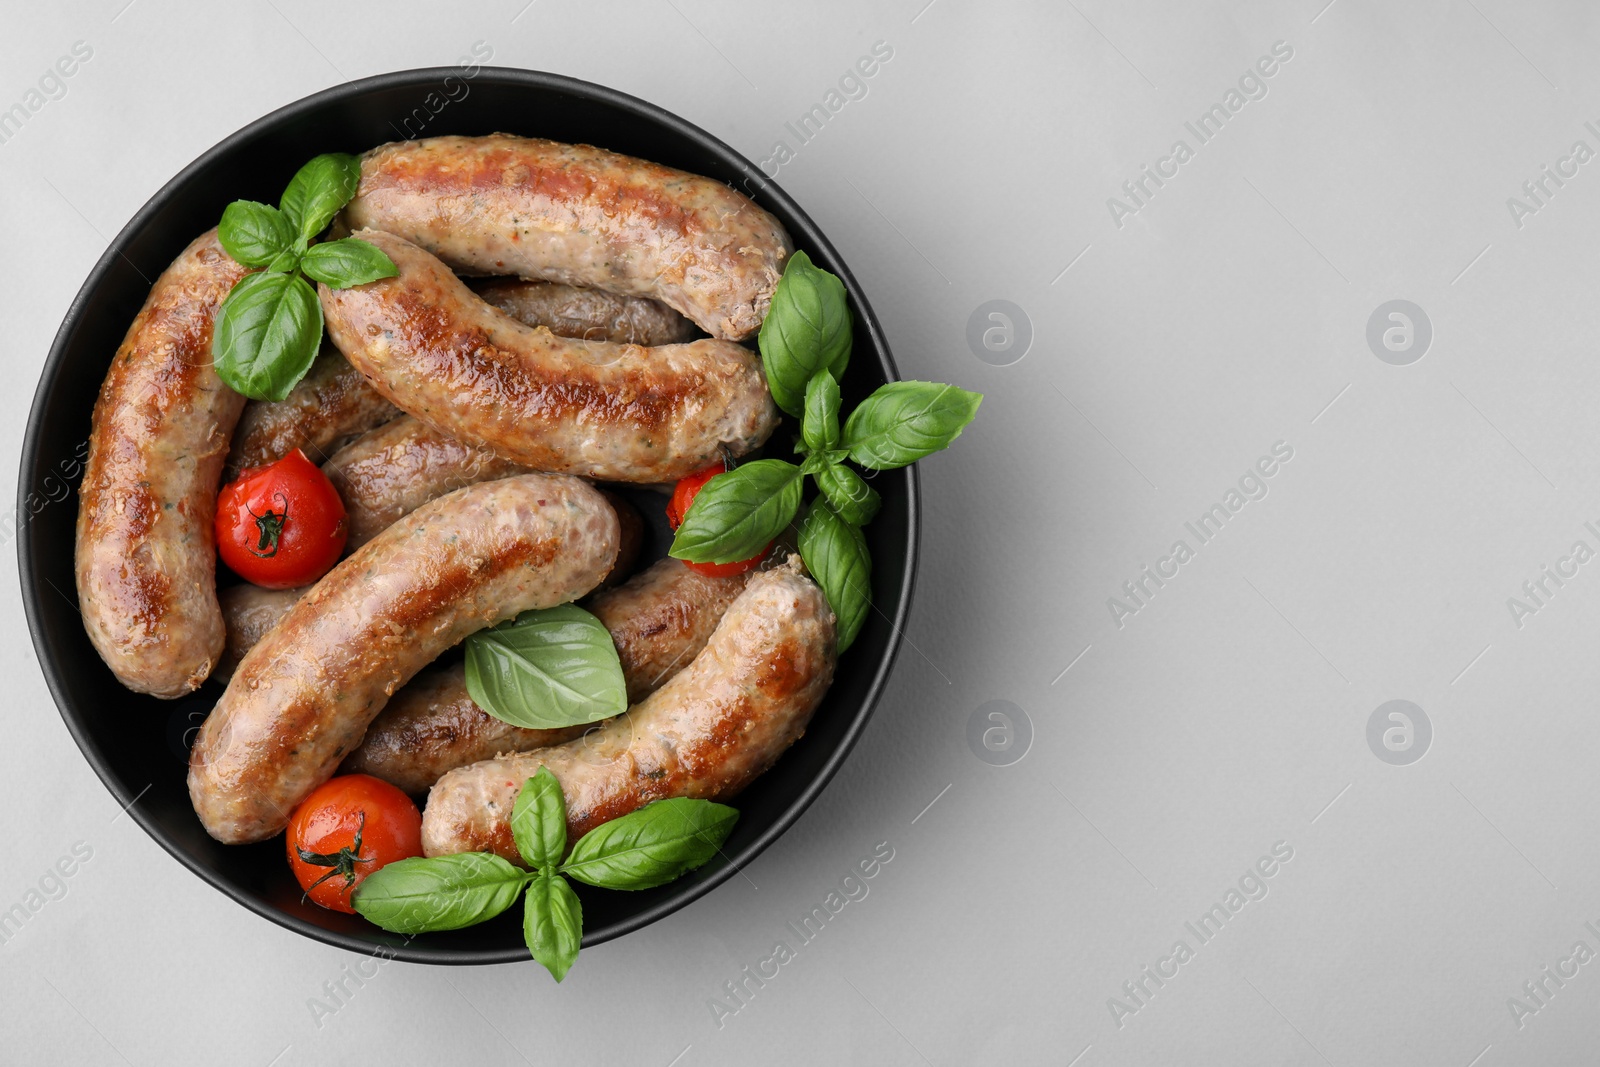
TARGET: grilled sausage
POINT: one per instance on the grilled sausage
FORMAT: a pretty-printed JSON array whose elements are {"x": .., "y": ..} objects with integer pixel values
[
  {"x": 432, "y": 726},
  {"x": 579, "y": 215},
  {"x": 304, "y": 696},
  {"x": 707, "y": 733},
  {"x": 248, "y": 612},
  {"x": 146, "y": 551},
  {"x": 332, "y": 402},
  {"x": 608, "y": 411},
  {"x": 590, "y": 314},
  {"x": 659, "y": 620},
  {"x": 387, "y": 473}
]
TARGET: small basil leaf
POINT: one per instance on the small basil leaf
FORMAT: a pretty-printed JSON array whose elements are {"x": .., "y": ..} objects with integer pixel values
[
  {"x": 539, "y": 821},
  {"x": 836, "y": 555},
  {"x": 552, "y": 923},
  {"x": 423, "y": 894},
  {"x": 254, "y": 234},
  {"x": 285, "y": 263},
  {"x": 819, "y": 426},
  {"x": 651, "y": 846},
  {"x": 346, "y": 262},
  {"x": 903, "y": 421},
  {"x": 807, "y": 328},
  {"x": 546, "y": 669},
  {"x": 737, "y": 513},
  {"x": 318, "y": 190},
  {"x": 852, "y": 498},
  {"x": 266, "y": 335}
]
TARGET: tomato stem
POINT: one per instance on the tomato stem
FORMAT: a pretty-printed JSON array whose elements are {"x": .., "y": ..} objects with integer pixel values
[
  {"x": 342, "y": 862},
  {"x": 269, "y": 527}
]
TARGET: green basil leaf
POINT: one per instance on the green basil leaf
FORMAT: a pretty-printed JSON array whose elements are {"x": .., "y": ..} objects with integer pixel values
[
  {"x": 904, "y": 421},
  {"x": 285, "y": 263},
  {"x": 346, "y": 262},
  {"x": 651, "y": 846},
  {"x": 318, "y": 190},
  {"x": 852, "y": 498},
  {"x": 552, "y": 923},
  {"x": 819, "y": 426},
  {"x": 254, "y": 234},
  {"x": 539, "y": 821},
  {"x": 807, "y": 328},
  {"x": 266, "y": 335},
  {"x": 546, "y": 669},
  {"x": 424, "y": 894},
  {"x": 835, "y": 553},
  {"x": 737, "y": 513}
]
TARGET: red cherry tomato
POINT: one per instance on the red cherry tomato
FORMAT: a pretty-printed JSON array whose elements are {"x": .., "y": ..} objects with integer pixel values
[
  {"x": 282, "y": 525},
  {"x": 347, "y": 828},
  {"x": 683, "y": 495}
]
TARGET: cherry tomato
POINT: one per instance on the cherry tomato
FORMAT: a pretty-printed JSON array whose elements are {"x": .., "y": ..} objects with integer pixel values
[
  {"x": 347, "y": 828},
  {"x": 282, "y": 525},
  {"x": 683, "y": 495}
]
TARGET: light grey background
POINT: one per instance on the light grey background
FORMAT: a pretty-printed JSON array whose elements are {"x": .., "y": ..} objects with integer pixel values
[{"x": 1227, "y": 715}]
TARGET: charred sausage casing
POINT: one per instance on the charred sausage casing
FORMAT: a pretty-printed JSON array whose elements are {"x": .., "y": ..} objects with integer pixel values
[
  {"x": 609, "y": 411},
  {"x": 659, "y": 620},
  {"x": 582, "y": 216},
  {"x": 707, "y": 733},
  {"x": 303, "y": 697},
  {"x": 146, "y": 549}
]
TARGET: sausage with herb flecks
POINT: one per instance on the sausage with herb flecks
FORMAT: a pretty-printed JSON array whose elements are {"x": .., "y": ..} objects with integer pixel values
[
  {"x": 659, "y": 620},
  {"x": 303, "y": 697},
  {"x": 579, "y": 215},
  {"x": 707, "y": 733},
  {"x": 615, "y": 412},
  {"x": 146, "y": 551}
]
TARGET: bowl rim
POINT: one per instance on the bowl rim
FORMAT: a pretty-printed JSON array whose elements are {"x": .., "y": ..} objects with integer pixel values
[{"x": 408, "y": 951}]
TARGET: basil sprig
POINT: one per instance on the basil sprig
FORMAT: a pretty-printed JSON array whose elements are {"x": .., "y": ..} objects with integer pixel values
[
  {"x": 643, "y": 849},
  {"x": 805, "y": 348},
  {"x": 269, "y": 327},
  {"x": 546, "y": 669},
  {"x": 807, "y": 328}
]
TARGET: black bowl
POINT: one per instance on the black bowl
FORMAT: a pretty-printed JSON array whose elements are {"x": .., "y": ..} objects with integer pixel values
[{"x": 138, "y": 745}]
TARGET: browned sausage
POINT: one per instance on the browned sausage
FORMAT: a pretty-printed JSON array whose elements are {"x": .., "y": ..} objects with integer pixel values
[
  {"x": 608, "y": 411},
  {"x": 659, "y": 620},
  {"x": 146, "y": 551},
  {"x": 591, "y": 314},
  {"x": 579, "y": 215},
  {"x": 304, "y": 696},
  {"x": 332, "y": 402},
  {"x": 707, "y": 733},
  {"x": 248, "y": 612},
  {"x": 387, "y": 473}
]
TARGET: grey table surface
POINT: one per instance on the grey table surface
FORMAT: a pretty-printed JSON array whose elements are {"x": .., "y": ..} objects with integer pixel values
[{"x": 1222, "y": 843}]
